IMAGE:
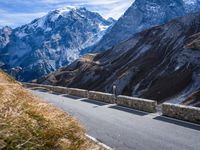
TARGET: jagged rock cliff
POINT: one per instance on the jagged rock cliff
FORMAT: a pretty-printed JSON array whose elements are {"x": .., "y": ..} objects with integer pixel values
[
  {"x": 50, "y": 42},
  {"x": 144, "y": 14}
]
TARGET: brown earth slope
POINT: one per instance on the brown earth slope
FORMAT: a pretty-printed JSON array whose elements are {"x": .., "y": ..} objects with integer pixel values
[{"x": 28, "y": 123}]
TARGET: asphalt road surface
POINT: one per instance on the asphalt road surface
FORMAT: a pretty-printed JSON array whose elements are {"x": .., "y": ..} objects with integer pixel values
[{"x": 127, "y": 129}]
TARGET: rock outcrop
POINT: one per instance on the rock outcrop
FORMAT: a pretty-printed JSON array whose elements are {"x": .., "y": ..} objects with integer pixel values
[{"x": 144, "y": 14}]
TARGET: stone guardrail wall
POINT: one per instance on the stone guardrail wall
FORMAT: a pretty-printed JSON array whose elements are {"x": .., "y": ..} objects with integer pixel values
[
  {"x": 33, "y": 85},
  {"x": 99, "y": 96},
  {"x": 137, "y": 103},
  {"x": 181, "y": 112},
  {"x": 77, "y": 92},
  {"x": 59, "y": 89}
]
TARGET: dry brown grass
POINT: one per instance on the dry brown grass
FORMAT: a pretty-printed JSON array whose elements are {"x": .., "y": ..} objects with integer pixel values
[{"x": 28, "y": 123}]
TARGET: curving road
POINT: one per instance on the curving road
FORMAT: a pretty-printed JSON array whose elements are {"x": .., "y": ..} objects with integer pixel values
[{"x": 127, "y": 129}]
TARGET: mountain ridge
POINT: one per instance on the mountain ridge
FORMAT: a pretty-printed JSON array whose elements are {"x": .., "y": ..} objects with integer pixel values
[
  {"x": 49, "y": 42},
  {"x": 157, "y": 63},
  {"x": 144, "y": 14}
]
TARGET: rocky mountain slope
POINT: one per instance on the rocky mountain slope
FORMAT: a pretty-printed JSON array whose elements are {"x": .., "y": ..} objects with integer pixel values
[
  {"x": 144, "y": 14},
  {"x": 50, "y": 42},
  {"x": 4, "y": 36},
  {"x": 161, "y": 63}
]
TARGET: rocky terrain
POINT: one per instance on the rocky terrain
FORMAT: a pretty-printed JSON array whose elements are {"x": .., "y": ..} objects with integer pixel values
[
  {"x": 64, "y": 35},
  {"x": 161, "y": 63},
  {"x": 47, "y": 43},
  {"x": 144, "y": 14},
  {"x": 194, "y": 44},
  {"x": 193, "y": 99}
]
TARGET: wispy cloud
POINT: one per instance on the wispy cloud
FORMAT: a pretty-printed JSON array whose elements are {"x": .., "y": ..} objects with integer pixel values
[
  {"x": 18, "y": 12},
  {"x": 17, "y": 19}
]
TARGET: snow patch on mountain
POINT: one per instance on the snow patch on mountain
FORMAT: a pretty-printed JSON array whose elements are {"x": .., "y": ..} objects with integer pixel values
[
  {"x": 190, "y": 2},
  {"x": 54, "y": 40},
  {"x": 144, "y": 14}
]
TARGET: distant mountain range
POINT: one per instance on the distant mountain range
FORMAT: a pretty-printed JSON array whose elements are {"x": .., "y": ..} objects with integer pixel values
[
  {"x": 48, "y": 43},
  {"x": 64, "y": 35},
  {"x": 161, "y": 63},
  {"x": 144, "y": 14}
]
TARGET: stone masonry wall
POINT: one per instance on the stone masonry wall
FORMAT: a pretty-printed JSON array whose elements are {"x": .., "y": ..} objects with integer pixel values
[
  {"x": 104, "y": 97},
  {"x": 182, "y": 112},
  {"x": 78, "y": 92},
  {"x": 137, "y": 103}
]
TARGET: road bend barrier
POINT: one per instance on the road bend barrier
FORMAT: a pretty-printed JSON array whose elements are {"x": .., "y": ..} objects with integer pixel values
[
  {"x": 182, "y": 112},
  {"x": 77, "y": 92},
  {"x": 100, "y": 96},
  {"x": 137, "y": 103},
  {"x": 131, "y": 102},
  {"x": 33, "y": 85},
  {"x": 59, "y": 89}
]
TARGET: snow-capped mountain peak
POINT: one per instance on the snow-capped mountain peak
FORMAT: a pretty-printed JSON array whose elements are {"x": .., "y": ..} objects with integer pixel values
[
  {"x": 47, "y": 22},
  {"x": 64, "y": 12},
  {"x": 54, "y": 40},
  {"x": 65, "y": 9},
  {"x": 144, "y": 14}
]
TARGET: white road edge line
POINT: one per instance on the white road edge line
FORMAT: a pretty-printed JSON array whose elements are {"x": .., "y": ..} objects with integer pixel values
[{"x": 98, "y": 142}]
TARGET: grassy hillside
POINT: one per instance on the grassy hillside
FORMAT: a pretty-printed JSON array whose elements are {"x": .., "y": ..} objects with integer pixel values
[{"x": 28, "y": 123}]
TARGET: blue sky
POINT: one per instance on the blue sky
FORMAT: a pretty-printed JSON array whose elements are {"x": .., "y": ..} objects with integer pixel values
[{"x": 18, "y": 12}]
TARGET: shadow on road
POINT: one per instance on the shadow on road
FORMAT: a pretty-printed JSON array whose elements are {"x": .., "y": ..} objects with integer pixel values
[
  {"x": 40, "y": 90},
  {"x": 128, "y": 110},
  {"x": 71, "y": 97},
  {"x": 94, "y": 102},
  {"x": 55, "y": 93},
  {"x": 179, "y": 123}
]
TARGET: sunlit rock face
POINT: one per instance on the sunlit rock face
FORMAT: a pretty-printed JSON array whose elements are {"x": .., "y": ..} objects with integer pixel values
[
  {"x": 50, "y": 42},
  {"x": 144, "y": 14}
]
